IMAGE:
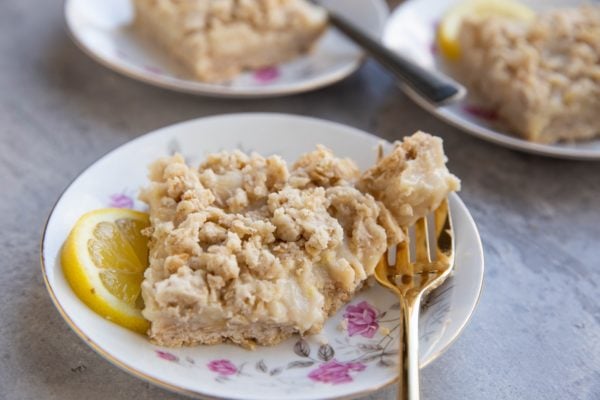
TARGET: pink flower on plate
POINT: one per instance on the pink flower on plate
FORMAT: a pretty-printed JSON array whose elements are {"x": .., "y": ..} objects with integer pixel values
[
  {"x": 266, "y": 75},
  {"x": 362, "y": 319},
  {"x": 433, "y": 48},
  {"x": 480, "y": 112},
  {"x": 167, "y": 356},
  {"x": 336, "y": 372},
  {"x": 121, "y": 200},
  {"x": 222, "y": 367}
]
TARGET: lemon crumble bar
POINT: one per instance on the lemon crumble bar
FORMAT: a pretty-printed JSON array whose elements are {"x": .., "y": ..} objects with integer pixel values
[
  {"x": 218, "y": 39},
  {"x": 247, "y": 250},
  {"x": 542, "y": 77}
]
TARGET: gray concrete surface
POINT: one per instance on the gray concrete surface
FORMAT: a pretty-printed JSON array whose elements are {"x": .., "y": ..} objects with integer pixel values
[{"x": 535, "y": 335}]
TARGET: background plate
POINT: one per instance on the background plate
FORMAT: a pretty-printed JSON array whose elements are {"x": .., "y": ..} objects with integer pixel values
[{"x": 102, "y": 29}]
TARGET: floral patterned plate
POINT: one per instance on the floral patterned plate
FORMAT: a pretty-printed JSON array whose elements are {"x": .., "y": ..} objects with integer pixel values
[
  {"x": 102, "y": 29},
  {"x": 411, "y": 31},
  {"x": 357, "y": 350}
]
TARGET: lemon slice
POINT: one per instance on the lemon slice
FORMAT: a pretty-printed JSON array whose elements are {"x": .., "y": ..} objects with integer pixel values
[
  {"x": 104, "y": 259},
  {"x": 449, "y": 27}
]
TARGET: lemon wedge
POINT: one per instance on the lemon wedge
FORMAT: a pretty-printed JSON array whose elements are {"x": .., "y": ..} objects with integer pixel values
[
  {"x": 449, "y": 28},
  {"x": 104, "y": 259}
]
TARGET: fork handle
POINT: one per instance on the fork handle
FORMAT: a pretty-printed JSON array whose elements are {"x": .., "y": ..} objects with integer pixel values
[
  {"x": 436, "y": 88},
  {"x": 409, "y": 350}
]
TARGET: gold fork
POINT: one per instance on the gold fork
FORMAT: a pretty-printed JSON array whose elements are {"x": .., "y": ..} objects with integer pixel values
[{"x": 411, "y": 280}]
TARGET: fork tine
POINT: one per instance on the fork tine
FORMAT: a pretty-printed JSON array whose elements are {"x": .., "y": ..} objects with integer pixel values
[
  {"x": 422, "y": 241},
  {"x": 403, "y": 255},
  {"x": 382, "y": 269},
  {"x": 443, "y": 231},
  {"x": 382, "y": 274},
  {"x": 382, "y": 266}
]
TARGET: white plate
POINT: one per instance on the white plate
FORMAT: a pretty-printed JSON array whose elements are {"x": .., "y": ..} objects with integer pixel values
[
  {"x": 293, "y": 369},
  {"x": 411, "y": 31},
  {"x": 102, "y": 29}
]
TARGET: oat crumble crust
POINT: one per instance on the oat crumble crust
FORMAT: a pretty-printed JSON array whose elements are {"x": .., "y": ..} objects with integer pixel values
[{"x": 245, "y": 250}]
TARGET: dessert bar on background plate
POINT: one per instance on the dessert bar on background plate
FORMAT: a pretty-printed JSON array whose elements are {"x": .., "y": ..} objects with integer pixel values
[
  {"x": 411, "y": 31},
  {"x": 218, "y": 40},
  {"x": 541, "y": 76}
]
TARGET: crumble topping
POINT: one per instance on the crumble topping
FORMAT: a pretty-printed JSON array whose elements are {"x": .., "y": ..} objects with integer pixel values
[
  {"x": 412, "y": 180},
  {"x": 245, "y": 250}
]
